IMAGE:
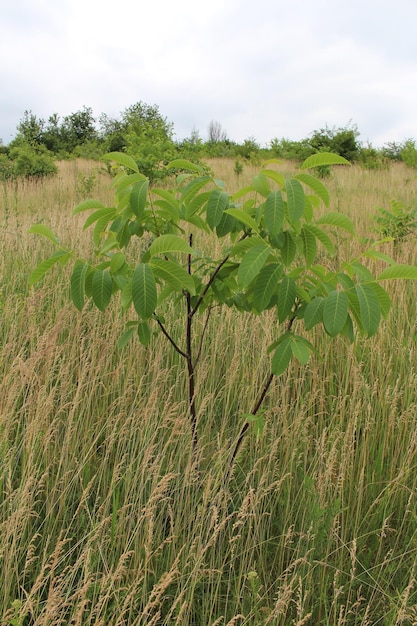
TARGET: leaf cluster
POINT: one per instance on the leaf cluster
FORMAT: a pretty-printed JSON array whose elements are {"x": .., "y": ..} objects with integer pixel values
[
  {"x": 278, "y": 254},
  {"x": 398, "y": 223}
]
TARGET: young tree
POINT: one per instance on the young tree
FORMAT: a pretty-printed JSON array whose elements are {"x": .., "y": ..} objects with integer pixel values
[
  {"x": 342, "y": 141},
  {"x": 216, "y": 133},
  {"x": 148, "y": 138},
  {"x": 78, "y": 128},
  {"x": 277, "y": 255},
  {"x": 30, "y": 129}
]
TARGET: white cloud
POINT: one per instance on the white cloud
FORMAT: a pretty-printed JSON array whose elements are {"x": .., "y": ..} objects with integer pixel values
[{"x": 273, "y": 69}]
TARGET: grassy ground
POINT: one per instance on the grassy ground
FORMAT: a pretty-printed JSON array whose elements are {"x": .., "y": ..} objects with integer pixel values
[{"x": 103, "y": 520}]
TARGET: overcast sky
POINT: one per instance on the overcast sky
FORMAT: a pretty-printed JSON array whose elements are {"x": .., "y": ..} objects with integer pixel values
[{"x": 262, "y": 68}]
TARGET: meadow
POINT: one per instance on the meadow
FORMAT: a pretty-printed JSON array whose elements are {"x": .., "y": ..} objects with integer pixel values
[{"x": 104, "y": 519}]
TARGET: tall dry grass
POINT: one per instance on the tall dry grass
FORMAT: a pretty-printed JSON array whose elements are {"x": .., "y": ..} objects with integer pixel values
[{"x": 103, "y": 518}]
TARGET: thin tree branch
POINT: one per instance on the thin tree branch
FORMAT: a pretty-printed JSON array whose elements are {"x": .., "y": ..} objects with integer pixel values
[
  {"x": 255, "y": 409},
  {"x": 211, "y": 281},
  {"x": 191, "y": 365},
  {"x": 170, "y": 339}
]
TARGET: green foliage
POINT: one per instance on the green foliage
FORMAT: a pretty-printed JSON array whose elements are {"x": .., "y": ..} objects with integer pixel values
[
  {"x": 248, "y": 150},
  {"x": 398, "y": 223},
  {"x": 148, "y": 139},
  {"x": 372, "y": 159},
  {"x": 342, "y": 141},
  {"x": 56, "y": 136},
  {"x": 26, "y": 161},
  {"x": 277, "y": 255},
  {"x": 78, "y": 128},
  {"x": 408, "y": 153},
  {"x": 291, "y": 150}
]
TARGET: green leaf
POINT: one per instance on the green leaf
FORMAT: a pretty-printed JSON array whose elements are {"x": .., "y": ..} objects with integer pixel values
[
  {"x": 121, "y": 159},
  {"x": 144, "y": 294},
  {"x": 126, "y": 296},
  {"x": 169, "y": 197},
  {"x": 216, "y": 204},
  {"x": 369, "y": 308},
  {"x": 286, "y": 297},
  {"x": 88, "y": 205},
  {"x": 309, "y": 245},
  {"x": 322, "y": 237},
  {"x": 301, "y": 349},
  {"x": 313, "y": 313},
  {"x": 61, "y": 256},
  {"x": 399, "y": 271},
  {"x": 323, "y": 158},
  {"x": 138, "y": 197},
  {"x": 355, "y": 308},
  {"x": 289, "y": 249},
  {"x": 275, "y": 176},
  {"x": 261, "y": 184},
  {"x": 228, "y": 225},
  {"x": 274, "y": 212},
  {"x": 335, "y": 312},
  {"x": 295, "y": 199},
  {"x": 193, "y": 188},
  {"x": 266, "y": 285},
  {"x": 196, "y": 204},
  {"x": 377, "y": 255},
  {"x": 243, "y": 192},
  {"x": 100, "y": 229},
  {"x": 348, "y": 330},
  {"x": 198, "y": 221},
  {"x": 316, "y": 185},
  {"x": 117, "y": 262},
  {"x": 107, "y": 213},
  {"x": 337, "y": 219},
  {"x": 183, "y": 164},
  {"x": 101, "y": 288},
  {"x": 125, "y": 338},
  {"x": 258, "y": 422},
  {"x": 45, "y": 231},
  {"x": 123, "y": 181},
  {"x": 173, "y": 274},
  {"x": 383, "y": 298},
  {"x": 77, "y": 283},
  {"x": 169, "y": 243},
  {"x": 242, "y": 246},
  {"x": 282, "y": 355},
  {"x": 252, "y": 263},
  {"x": 243, "y": 217},
  {"x": 361, "y": 271},
  {"x": 144, "y": 333}
]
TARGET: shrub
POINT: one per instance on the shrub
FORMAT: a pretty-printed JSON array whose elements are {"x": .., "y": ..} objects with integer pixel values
[
  {"x": 398, "y": 223},
  {"x": 408, "y": 153},
  {"x": 30, "y": 162},
  {"x": 372, "y": 159},
  {"x": 342, "y": 141}
]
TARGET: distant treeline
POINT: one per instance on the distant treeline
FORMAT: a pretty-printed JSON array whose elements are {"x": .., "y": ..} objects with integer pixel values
[{"x": 148, "y": 136}]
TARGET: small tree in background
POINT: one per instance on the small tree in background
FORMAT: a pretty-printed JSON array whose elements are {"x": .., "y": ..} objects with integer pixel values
[
  {"x": 408, "y": 153},
  {"x": 216, "y": 133},
  {"x": 342, "y": 141}
]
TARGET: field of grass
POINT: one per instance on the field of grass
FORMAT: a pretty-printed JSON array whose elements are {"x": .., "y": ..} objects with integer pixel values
[{"x": 103, "y": 518}]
